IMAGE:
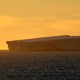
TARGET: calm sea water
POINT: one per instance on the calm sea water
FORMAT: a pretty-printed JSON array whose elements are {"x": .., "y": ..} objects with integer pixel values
[{"x": 58, "y": 65}]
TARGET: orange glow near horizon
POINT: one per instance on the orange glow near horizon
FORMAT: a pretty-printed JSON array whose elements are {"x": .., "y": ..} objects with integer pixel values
[{"x": 23, "y": 19}]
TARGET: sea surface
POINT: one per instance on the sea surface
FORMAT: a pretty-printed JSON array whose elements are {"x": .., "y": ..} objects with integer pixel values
[{"x": 40, "y": 65}]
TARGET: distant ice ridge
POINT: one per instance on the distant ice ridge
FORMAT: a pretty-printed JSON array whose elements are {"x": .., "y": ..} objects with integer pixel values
[{"x": 48, "y": 38}]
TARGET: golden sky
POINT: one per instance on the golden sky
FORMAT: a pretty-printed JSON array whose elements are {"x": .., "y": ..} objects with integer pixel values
[{"x": 22, "y": 19}]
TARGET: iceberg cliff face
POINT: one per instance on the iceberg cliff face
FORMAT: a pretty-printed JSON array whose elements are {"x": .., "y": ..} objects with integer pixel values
[{"x": 56, "y": 43}]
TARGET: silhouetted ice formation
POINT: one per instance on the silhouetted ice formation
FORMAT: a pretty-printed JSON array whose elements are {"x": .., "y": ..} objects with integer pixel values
[{"x": 53, "y": 43}]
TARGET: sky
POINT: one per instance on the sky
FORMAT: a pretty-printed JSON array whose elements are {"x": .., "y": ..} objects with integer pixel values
[{"x": 23, "y": 19}]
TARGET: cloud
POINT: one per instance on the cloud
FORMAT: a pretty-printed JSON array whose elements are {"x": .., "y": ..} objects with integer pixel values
[
  {"x": 68, "y": 26},
  {"x": 9, "y": 21},
  {"x": 40, "y": 25}
]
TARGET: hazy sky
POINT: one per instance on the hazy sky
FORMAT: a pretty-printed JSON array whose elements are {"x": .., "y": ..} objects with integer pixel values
[{"x": 22, "y": 19}]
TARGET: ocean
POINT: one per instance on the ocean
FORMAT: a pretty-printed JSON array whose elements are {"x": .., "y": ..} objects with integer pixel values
[{"x": 40, "y": 65}]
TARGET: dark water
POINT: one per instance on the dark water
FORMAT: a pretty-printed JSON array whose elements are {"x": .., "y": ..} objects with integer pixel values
[{"x": 40, "y": 65}]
